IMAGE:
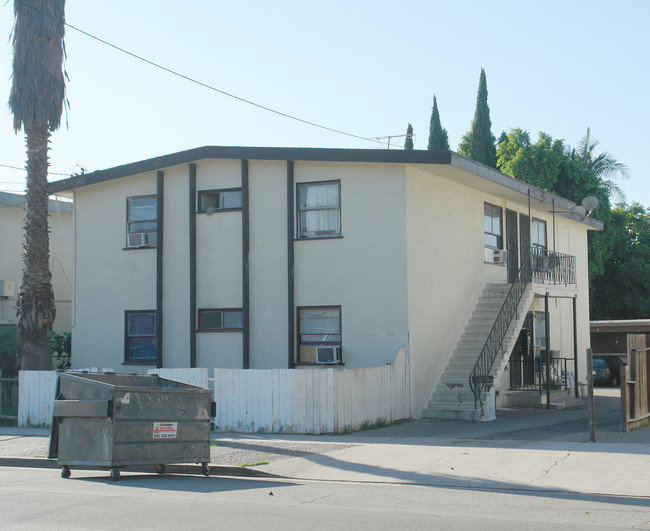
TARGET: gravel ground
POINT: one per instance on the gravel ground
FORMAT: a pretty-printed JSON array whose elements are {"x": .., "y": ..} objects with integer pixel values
[
  {"x": 246, "y": 451},
  {"x": 227, "y": 452}
]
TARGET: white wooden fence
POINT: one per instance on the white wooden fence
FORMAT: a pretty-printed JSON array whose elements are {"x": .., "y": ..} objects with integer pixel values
[
  {"x": 36, "y": 397},
  {"x": 314, "y": 400}
]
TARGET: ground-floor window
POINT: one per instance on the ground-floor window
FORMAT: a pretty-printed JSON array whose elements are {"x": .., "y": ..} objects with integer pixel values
[
  {"x": 140, "y": 337},
  {"x": 319, "y": 334},
  {"x": 540, "y": 330}
]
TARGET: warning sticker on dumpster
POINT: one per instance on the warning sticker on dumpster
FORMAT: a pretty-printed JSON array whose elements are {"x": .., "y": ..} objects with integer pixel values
[{"x": 165, "y": 430}]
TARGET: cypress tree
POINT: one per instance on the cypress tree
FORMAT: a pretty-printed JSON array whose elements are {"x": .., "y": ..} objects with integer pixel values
[
  {"x": 438, "y": 139},
  {"x": 408, "y": 143},
  {"x": 478, "y": 142}
]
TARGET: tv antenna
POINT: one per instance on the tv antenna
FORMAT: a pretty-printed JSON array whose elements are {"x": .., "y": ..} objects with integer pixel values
[{"x": 385, "y": 140}]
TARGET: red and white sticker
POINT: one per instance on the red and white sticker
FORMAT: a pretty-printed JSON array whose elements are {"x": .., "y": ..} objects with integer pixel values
[{"x": 165, "y": 430}]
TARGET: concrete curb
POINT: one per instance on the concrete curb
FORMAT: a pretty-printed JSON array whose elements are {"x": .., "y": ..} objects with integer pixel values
[{"x": 215, "y": 470}]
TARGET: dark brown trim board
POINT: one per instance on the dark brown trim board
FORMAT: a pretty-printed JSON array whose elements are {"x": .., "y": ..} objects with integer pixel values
[
  {"x": 192, "y": 236},
  {"x": 245, "y": 217},
  {"x": 160, "y": 214},
  {"x": 291, "y": 311}
]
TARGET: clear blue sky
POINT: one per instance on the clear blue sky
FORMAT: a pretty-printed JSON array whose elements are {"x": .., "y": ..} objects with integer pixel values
[{"x": 363, "y": 67}]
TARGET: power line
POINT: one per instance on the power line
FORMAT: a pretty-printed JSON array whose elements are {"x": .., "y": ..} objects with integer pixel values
[
  {"x": 200, "y": 83},
  {"x": 23, "y": 169}
]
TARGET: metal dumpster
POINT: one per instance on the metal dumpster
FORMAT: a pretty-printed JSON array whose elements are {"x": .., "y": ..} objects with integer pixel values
[{"x": 110, "y": 420}]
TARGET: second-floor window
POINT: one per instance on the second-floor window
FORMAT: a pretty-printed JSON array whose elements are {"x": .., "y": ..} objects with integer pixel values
[
  {"x": 141, "y": 221},
  {"x": 211, "y": 201},
  {"x": 538, "y": 236},
  {"x": 493, "y": 226},
  {"x": 319, "y": 209}
]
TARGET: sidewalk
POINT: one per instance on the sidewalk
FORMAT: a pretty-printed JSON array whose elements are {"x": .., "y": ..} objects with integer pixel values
[{"x": 530, "y": 450}]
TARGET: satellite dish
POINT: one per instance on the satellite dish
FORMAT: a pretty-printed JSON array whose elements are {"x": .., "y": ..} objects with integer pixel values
[
  {"x": 580, "y": 210},
  {"x": 589, "y": 203}
]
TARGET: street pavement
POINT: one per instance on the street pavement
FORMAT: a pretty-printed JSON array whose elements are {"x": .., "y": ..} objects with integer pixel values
[{"x": 531, "y": 450}]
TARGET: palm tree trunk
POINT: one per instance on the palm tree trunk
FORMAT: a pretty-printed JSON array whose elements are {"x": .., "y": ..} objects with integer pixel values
[{"x": 36, "y": 303}]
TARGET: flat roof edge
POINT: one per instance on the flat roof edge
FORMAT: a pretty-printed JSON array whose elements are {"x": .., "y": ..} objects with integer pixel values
[{"x": 253, "y": 153}]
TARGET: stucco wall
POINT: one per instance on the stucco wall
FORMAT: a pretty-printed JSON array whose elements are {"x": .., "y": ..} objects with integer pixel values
[
  {"x": 268, "y": 265},
  {"x": 446, "y": 272},
  {"x": 364, "y": 271},
  {"x": 218, "y": 265},
  {"x": 108, "y": 278}
]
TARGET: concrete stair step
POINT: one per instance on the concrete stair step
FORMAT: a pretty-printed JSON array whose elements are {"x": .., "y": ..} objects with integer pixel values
[{"x": 457, "y": 412}]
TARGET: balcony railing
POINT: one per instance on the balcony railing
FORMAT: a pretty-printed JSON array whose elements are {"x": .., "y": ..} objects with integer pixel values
[{"x": 550, "y": 267}]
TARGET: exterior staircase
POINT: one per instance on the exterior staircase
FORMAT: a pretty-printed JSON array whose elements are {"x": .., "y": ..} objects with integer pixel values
[{"x": 453, "y": 398}]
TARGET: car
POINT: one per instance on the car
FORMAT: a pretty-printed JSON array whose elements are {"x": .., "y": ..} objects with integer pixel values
[{"x": 607, "y": 370}]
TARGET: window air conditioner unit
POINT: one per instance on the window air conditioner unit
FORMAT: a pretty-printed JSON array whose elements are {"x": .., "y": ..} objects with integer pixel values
[
  {"x": 137, "y": 239},
  {"x": 328, "y": 355},
  {"x": 495, "y": 256}
]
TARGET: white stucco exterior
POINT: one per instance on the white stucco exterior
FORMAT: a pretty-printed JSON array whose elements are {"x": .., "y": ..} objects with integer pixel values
[
  {"x": 12, "y": 218},
  {"x": 406, "y": 269}
]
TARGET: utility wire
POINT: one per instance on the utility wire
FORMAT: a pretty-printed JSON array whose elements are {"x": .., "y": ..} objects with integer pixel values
[
  {"x": 23, "y": 169},
  {"x": 200, "y": 83}
]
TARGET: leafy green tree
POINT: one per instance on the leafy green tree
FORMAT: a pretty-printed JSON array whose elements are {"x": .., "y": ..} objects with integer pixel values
[
  {"x": 623, "y": 290},
  {"x": 547, "y": 165},
  {"x": 479, "y": 142},
  {"x": 537, "y": 164},
  {"x": 37, "y": 99},
  {"x": 438, "y": 138},
  {"x": 408, "y": 143}
]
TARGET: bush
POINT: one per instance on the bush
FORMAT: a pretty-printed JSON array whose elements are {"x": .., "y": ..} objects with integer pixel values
[
  {"x": 10, "y": 352},
  {"x": 61, "y": 350}
]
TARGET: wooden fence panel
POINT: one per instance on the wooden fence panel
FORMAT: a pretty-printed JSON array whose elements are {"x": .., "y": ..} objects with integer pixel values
[
  {"x": 635, "y": 393},
  {"x": 36, "y": 391},
  {"x": 314, "y": 400},
  {"x": 311, "y": 400}
]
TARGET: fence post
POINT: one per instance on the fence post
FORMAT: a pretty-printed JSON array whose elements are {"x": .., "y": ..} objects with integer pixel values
[
  {"x": 590, "y": 395},
  {"x": 624, "y": 397}
]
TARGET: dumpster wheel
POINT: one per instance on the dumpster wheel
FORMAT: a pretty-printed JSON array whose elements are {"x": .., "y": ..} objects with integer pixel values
[
  {"x": 115, "y": 474},
  {"x": 205, "y": 469},
  {"x": 65, "y": 472}
]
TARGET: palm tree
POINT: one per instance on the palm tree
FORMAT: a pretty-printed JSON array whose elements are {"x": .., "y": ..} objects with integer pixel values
[
  {"x": 36, "y": 101},
  {"x": 606, "y": 167}
]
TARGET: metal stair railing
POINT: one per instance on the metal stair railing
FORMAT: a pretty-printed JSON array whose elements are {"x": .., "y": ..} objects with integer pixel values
[{"x": 480, "y": 378}]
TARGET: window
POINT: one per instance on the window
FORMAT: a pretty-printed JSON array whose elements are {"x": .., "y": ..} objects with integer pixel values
[
  {"x": 211, "y": 201},
  {"x": 140, "y": 337},
  {"x": 318, "y": 326},
  {"x": 538, "y": 236},
  {"x": 540, "y": 329},
  {"x": 492, "y": 226},
  {"x": 220, "y": 320},
  {"x": 319, "y": 209},
  {"x": 141, "y": 221}
]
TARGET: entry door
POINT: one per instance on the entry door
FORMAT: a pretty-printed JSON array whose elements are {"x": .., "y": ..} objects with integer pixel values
[{"x": 512, "y": 244}]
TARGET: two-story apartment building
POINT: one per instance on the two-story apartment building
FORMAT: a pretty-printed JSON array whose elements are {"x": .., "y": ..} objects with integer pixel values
[
  {"x": 12, "y": 237},
  {"x": 294, "y": 257}
]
